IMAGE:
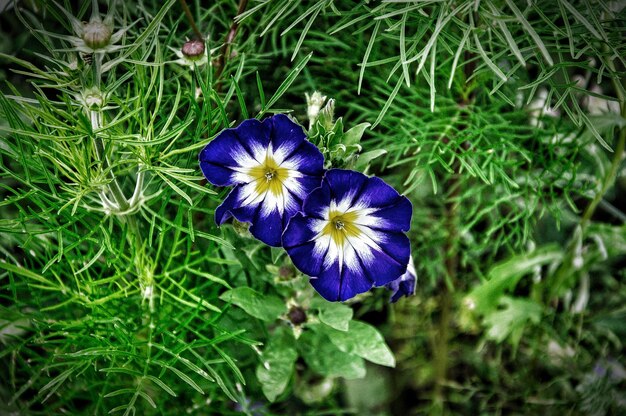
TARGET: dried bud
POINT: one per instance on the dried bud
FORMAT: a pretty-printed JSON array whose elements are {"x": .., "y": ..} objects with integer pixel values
[
  {"x": 96, "y": 35},
  {"x": 286, "y": 272},
  {"x": 296, "y": 315},
  {"x": 193, "y": 49}
]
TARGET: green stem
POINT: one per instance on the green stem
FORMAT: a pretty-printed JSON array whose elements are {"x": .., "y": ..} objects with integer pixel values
[
  {"x": 97, "y": 68},
  {"x": 612, "y": 173},
  {"x": 440, "y": 347},
  {"x": 114, "y": 187},
  {"x": 619, "y": 150},
  {"x": 564, "y": 270},
  {"x": 137, "y": 193}
]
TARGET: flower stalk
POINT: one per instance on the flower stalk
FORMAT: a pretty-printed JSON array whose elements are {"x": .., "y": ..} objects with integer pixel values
[
  {"x": 618, "y": 155},
  {"x": 230, "y": 37},
  {"x": 564, "y": 270},
  {"x": 191, "y": 20}
]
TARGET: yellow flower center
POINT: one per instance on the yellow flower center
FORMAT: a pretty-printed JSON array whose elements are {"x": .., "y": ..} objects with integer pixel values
[
  {"x": 341, "y": 225},
  {"x": 269, "y": 177}
]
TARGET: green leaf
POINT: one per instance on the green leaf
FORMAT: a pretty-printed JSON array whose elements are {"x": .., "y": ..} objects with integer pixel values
[
  {"x": 323, "y": 357},
  {"x": 277, "y": 364},
  {"x": 335, "y": 137},
  {"x": 336, "y": 315},
  {"x": 365, "y": 158},
  {"x": 505, "y": 275},
  {"x": 511, "y": 319},
  {"x": 604, "y": 124},
  {"x": 264, "y": 307},
  {"x": 363, "y": 340},
  {"x": 291, "y": 77},
  {"x": 614, "y": 321},
  {"x": 354, "y": 135}
]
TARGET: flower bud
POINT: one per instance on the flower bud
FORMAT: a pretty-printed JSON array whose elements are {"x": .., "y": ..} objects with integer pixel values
[
  {"x": 193, "y": 49},
  {"x": 96, "y": 35},
  {"x": 92, "y": 98},
  {"x": 286, "y": 272},
  {"x": 296, "y": 315},
  {"x": 314, "y": 104}
]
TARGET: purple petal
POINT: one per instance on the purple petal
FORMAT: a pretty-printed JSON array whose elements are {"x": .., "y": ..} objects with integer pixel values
[
  {"x": 334, "y": 285},
  {"x": 376, "y": 252},
  {"x": 219, "y": 157},
  {"x": 268, "y": 228},
  {"x": 231, "y": 208},
  {"x": 317, "y": 201},
  {"x": 397, "y": 247},
  {"x": 254, "y": 135},
  {"x": 307, "y": 158},
  {"x": 377, "y": 193},
  {"x": 286, "y": 133},
  {"x": 345, "y": 184},
  {"x": 395, "y": 217},
  {"x": 234, "y": 158},
  {"x": 216, "y": 174},
  {"x": 298, "y": 241},
  {"x": 391, "y": 260},
  {"x": 404, "y": 285}
]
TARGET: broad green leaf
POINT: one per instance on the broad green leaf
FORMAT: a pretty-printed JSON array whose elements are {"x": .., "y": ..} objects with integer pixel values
[
  {"x": 505, "y": 275},
  {"x": 371, "y": 393},
  {"x": 353, "y": 136},
  {"x": 363, "y": 340},
  {"x": 365, "y": 158},
  {"x": 276, "y": 368},
  {"x": 323, "y": 357},
  {"x": 511, "y": 319},
  {"x": 266, "y": 308},
  {"x": 335, "y": 315}
]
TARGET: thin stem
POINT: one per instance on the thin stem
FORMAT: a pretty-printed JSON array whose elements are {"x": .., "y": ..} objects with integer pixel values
[
  {"x": 230, "y": 37},
  {"x": 440, "y": 351},
  {"x": 114, "y": 186},
  {"x": 191, "y": 20},
  {"x": 97, "y": 68},
  {"x": 612, "y": 173},
  {"x": 138, "y": 188},
  {"x": 564, "y": 270},
  {"x": 446, "y": 304}
]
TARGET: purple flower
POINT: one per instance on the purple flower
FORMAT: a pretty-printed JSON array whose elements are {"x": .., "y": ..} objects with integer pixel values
[
  {"x": 350, "y": 235},
  {"x": 403, "y": 285},
  {"x": 273, "y": 168}
]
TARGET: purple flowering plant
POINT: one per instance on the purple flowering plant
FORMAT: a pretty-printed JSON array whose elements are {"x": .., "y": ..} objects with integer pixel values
[{"x": 344, "y": 230}]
